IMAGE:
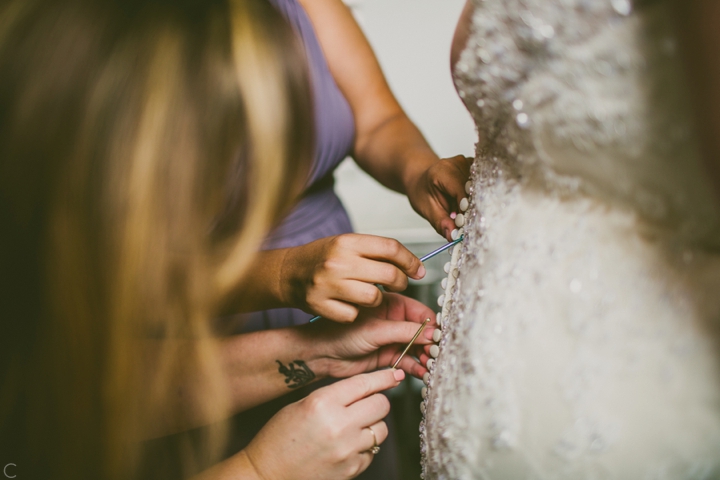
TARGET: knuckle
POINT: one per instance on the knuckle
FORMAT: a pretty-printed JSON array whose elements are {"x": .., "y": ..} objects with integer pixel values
[
  {"x": 344, "y": 241},
  {"x": 383, "y": 404},
  {"x": 400, "y": 281},
  {"x": 316, "y": 403},
  {"x": 348, "y": 317},
  {"x": 364, "y": 385},
  {"x": 391, "y": 275},
  {"x": 329, "y": 267},
  {"x": 395, "y": 248},
  {"x": 377, "y": 298},
  {"x": 334, "y": 245},
  {"x": 333, "y": 433},
  {"x": 369, "y": 296}
]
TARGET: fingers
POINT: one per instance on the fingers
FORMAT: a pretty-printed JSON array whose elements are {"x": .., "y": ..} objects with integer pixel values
[
  {"x": 360, "y": 293},
  {"x": 448, "y": 178},
  {"x": 370, "y": 410},
  {"x": 411, "y": 366},
  {"x": 400, "y": 307},
  {"x": 446, "y": 226},
  {"x": 382, "y": 273},
  {"x": 394, "y": 252},
  {"x": 380, "y": 430},
  {"x": 338, "y": 311},
  {"x": 456, "y": 175},
  {"x": 384, "y": 332},
  {"x": 352, "y": 389},
  {"x": 352, "y": 267},
  {"x": 424, "y": 357}
]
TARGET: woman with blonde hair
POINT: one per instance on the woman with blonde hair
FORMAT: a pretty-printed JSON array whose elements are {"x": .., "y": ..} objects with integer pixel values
[{"x": 123, "y": 125}]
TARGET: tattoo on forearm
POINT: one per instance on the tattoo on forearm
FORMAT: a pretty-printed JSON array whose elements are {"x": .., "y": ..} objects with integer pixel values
[{"x": 297, "y": 373}]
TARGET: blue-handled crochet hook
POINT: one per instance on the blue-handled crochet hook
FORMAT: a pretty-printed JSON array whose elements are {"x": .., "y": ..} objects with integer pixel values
[{"x": 422, "y": 259}]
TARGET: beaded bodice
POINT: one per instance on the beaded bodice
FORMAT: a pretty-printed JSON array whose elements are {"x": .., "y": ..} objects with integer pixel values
[
  {"x": 588, "y": 95},
  {"x": 580, "y": 315}
]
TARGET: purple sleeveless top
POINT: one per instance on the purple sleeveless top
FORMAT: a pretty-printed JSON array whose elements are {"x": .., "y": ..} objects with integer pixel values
[{"x": 319, "y": 213}]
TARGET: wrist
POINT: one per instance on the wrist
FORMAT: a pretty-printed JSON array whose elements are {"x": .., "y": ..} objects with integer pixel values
[
  {"x": 247, "y": 465},
  {"x": 238, "y": 466},
  {"x": 291, "y": 284},
  {"x": 314, "y": 349},
  {"x": 419, "y": 162}
]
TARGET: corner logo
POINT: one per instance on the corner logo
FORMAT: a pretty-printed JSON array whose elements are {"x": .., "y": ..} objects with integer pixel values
[{"x": 8, "y": 470}]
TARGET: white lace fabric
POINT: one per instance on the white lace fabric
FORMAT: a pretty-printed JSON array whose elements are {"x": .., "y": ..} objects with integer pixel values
[{"x": 580, "y": 339}]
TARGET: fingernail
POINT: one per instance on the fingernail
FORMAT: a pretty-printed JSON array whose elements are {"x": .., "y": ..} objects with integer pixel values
[
  {"x": 453, "y": 215},
  {"x": 421, "y": 271},
  {"x": 430, "y": 333},
  {"x": 399, "y": 375}
]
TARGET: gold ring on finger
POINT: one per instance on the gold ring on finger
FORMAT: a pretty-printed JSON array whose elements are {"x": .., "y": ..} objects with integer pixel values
[{"x": 375, "y": 448}]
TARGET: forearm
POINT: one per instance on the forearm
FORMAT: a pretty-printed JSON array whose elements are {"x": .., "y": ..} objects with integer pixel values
[
  {"x": 261, "y": 366},
  {"x": 394, "y": 152},
  {"x": 387, "y": 145},
  {"x": 250, "y": 369},
  {"x": 237, "y": 466}
]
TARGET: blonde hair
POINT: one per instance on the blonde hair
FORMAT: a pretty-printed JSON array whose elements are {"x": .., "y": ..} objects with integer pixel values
[{"x": 146, "y": 147}]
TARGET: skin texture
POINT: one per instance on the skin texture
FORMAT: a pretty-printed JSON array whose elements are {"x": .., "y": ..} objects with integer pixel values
[
  {"x": 295, "y": 444},
  {"x": 391, "y": 149},
  {"x": 333, "y": 276},
  {"x": 323, "y": 436},
  {"x": 329, "y": 349},
  {"x": 255, "y": 365},
  {"x": 387, "y": 144}
]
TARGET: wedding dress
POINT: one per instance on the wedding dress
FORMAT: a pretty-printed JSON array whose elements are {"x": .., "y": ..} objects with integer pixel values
[{"x": 581, "y": 313}]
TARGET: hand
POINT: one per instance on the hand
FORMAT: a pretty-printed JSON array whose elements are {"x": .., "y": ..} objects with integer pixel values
[
  {"x": 376, "y": 339},
  {"x": 437, "y": 192},
  {"x": 325, "y": 435},
  {"x": 336, "y": 276}
]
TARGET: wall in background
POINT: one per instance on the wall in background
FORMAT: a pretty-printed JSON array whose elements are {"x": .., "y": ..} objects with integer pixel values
[{"x": 411, "y": 39}]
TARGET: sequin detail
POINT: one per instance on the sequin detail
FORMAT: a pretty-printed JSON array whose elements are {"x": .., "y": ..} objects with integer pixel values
[{"x": 585, "y": 284}]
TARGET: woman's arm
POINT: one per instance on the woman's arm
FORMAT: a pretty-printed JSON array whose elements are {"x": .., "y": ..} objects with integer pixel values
[
  {"x": 263, "y": 365},
  {"x": 333, "y": 277},
  {"x": 257, "y": 367},
  {"x": 325, "y": 436},
  {"x": 387, "y": 144}
]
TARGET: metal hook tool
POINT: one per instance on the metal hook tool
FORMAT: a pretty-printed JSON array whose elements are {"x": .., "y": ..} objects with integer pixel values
[
  {"x": 423, "y": 259},
  {"x": 422, "y": 327}
]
